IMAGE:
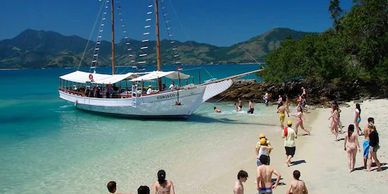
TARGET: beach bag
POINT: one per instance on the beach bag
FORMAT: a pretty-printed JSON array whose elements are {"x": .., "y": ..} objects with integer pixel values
[{"x": 285, "y": 131}]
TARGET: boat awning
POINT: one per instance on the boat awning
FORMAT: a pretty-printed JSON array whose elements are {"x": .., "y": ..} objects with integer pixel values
[
  {"x": 84, "y": 77},
  {"x": 159, "y": 74}
]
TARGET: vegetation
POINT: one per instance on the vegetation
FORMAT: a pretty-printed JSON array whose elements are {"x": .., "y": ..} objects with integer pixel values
[{"x": 355, "y": 49}]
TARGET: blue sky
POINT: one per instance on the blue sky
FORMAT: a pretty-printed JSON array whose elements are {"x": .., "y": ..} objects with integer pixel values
[{"x": 217, "y": 22}]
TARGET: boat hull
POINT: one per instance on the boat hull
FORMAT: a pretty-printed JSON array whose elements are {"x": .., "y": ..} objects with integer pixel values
[{"x": 161, "y": 105}]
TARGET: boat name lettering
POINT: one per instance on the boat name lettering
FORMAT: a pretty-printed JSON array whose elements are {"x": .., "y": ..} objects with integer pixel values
[{"x": 166, "y": 96}]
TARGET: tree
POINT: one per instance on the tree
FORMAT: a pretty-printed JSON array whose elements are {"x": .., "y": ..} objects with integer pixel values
[{"x": 335, "y": 12}]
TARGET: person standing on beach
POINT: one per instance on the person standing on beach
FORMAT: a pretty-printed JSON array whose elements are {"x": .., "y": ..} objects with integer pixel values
[
  {"x": 264, "y": 149},
  {"x": 266, "y": 98},
  {"x": 300, "y": 120},
  {"x": 163, "y": 186},
  {"x": 357, "y": 118},
  {"x": 334, "y": 121},
  {"x": 289, "y": 136},
  {"x": 373, "y": 147},
  {"x": 282, "y": 114},
  {"x": 242, "y": 177},
  {"x": 264, "y": 177},
  {"x": 365, "y": 143},
  {"x": 350, "y": 146},
  {"x": 251, "y": 107},
  {"x": 297, "y": 186}
]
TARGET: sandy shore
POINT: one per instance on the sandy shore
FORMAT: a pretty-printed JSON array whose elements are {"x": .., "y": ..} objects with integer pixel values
[{"x": 321, "y": 160}]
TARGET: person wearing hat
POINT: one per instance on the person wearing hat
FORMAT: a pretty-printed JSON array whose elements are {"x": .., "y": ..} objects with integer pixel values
[
  {"x": 263, "y": 147},
  {"x": 289, "y": 136}
]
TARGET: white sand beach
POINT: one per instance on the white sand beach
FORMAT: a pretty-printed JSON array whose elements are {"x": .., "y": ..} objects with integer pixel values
[{"x": 321, "y": 160}]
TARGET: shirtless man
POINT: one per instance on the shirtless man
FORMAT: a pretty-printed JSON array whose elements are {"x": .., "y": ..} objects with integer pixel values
[
  {"x": 365, "y": 143},
  {"x": 163, "y": 186},
  {"x": 297, "y": 186},
  {"x": 282, "y": 114},
  {"x": 239, "y": 105},
  {"x": 242, "y": 176},
  {"x": 264, "y": 177}
]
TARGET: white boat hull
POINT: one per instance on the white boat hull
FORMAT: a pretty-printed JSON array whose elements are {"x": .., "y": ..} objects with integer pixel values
[{"x": 157, "y": 105}]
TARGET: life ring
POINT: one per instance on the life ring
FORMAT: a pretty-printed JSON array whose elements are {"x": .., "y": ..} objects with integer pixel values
[{"x": 91, "y": 77}]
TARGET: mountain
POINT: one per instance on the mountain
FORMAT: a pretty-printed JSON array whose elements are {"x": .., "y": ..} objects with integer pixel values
[{"x": 35, "y": 49}]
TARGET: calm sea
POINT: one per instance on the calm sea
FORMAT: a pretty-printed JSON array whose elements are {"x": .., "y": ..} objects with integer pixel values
[{"x": 47, "y": 146}]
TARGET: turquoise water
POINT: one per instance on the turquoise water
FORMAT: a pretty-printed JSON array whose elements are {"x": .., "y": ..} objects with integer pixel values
[{"x": 47, "y": 146}]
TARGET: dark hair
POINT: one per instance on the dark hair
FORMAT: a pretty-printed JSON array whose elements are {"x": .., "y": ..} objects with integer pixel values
[
  {"x": 215, "y": 108},
  {"x": 264, "y": 159},
  {"x": 359, "y": 108},
  {"x": 371, "y": 119},
  {"x": 296, "y": 174},
  {"x": 143, "y": 189},
  {"x": 242, "y": 174},
  {"x": 350, "y": 130},
  {"x": 161, "y": 176},
  {"x": 111, "y": 186}
]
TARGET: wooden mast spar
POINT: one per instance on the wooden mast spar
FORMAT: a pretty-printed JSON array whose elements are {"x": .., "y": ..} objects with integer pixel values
[
  {"x": 158, "y": 60},
  {"x": 113, "y": 36}
]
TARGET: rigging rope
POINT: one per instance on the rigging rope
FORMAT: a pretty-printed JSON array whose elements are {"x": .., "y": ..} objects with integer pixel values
[{"x": 90, "y": 35}]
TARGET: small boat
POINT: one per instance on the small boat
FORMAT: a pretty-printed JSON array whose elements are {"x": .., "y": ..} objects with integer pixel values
[{"x": 128, "y": 94}]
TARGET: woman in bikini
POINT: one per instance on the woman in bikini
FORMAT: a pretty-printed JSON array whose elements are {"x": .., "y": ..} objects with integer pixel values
[
  {"x": 350, "y": 146},
  {"x": 357, "y": 118},
  {"x": 334, "y": 121},
  {"x": 163, "y": 186},
  {"x": 300, "y": 120}
]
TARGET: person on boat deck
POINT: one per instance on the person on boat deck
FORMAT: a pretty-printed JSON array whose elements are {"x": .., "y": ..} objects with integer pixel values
[
  {"x": 172, "y": 86},
  {"x": 149, "y": 90},
  {"x": 109, "y": 91}
]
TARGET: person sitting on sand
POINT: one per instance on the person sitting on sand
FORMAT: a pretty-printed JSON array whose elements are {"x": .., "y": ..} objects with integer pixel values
[
  {"x": 264, "y": 177},
  {"x": 297, "y": 186},
  {"x": 242, "y": 177},
  {"x": 163, "y": 186},
  {"x": 143, "y": 190},
  {"x": 251, "y": 107},
  {"x": 289, "y": 136},
  {"x": 350, "y": 146},
  {"x": 217, "y": 110}
]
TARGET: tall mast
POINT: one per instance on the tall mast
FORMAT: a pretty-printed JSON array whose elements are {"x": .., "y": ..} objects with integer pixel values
[
  {"x": 158, "y": 61},
  {"x": 113, "y": 36}
]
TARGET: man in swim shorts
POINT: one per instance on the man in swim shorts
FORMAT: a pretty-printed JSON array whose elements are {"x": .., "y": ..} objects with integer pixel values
[
  {"x": 365, "y": 143},
  {"x": 264, "y": 177}
]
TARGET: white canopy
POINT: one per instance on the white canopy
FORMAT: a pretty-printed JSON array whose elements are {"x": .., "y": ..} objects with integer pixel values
[
  {"x": 83, "y": 77},
  {"x": 159, "y": 74}
]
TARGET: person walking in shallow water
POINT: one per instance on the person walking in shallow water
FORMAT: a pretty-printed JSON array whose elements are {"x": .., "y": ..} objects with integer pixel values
[
  {"x": 242, "y": 177},
  {"x": 350, "y": 146}
]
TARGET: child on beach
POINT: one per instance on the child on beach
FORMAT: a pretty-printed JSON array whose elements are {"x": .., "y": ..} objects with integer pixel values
[
  {"x": 350, "y": 146},
  {"x": 242, "y": 177}
]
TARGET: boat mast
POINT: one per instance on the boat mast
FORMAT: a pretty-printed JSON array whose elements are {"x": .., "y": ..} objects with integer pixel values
[
  {"x": 113, "y": 36},
  {"x": 158, "y": 61}
]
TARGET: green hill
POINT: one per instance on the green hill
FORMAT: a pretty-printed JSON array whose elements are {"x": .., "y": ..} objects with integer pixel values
[{"x": 36, "y": 49}]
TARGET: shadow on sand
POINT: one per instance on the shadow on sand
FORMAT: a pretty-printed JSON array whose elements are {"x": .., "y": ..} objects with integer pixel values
[{"x": 297, "y": 162}]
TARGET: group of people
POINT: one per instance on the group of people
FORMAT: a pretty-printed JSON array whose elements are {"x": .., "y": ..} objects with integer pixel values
[
  {"x": 265, "y": 171},
  {"x": 370, "y": 143},
  {"x": 162, "y": 186}
]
